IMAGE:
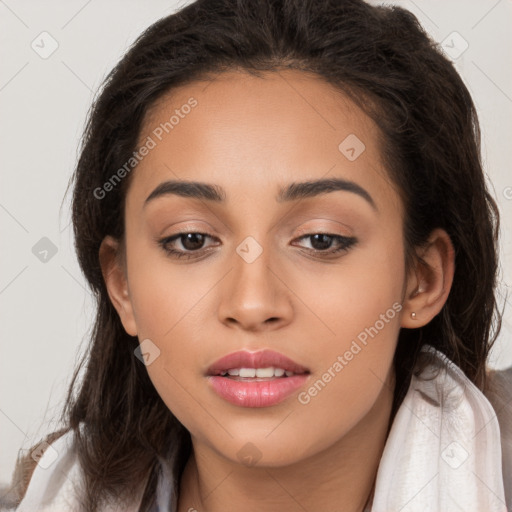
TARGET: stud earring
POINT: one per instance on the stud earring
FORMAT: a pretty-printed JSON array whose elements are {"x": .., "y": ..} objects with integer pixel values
[{"x": 413, "y": 315}]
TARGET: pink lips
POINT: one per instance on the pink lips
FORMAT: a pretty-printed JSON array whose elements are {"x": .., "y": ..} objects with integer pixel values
[{"x": 256, "y": 393}]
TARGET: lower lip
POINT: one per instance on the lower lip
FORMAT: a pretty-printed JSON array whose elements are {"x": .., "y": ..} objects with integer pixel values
[{"x": 256, "y": 393}]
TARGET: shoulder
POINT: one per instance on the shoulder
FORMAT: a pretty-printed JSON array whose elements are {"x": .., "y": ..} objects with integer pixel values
[
  {"x": 55, "y": 481},
  {"x": 499, "y": 393}
]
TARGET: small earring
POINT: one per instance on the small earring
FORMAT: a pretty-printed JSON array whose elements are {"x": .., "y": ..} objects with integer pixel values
[{"x": 413, "y": 315}]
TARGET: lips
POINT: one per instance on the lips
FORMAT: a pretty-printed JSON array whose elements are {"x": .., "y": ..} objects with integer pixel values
[
  {"x": 256, "y": 379},
  {"x": 261, "y": 359}
]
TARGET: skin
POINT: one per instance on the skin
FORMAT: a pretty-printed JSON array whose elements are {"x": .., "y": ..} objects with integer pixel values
[{"x": 252, "y": 135}]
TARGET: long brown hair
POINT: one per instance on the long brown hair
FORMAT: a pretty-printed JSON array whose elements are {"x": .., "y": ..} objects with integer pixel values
[{"x": 389, "y": 66}]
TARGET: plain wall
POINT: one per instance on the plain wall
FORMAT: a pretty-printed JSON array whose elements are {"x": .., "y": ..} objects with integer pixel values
[{"x": 46, "y": 309}]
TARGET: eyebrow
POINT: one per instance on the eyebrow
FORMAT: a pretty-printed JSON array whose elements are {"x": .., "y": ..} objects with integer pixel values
[{"x": 292, "y": 192}]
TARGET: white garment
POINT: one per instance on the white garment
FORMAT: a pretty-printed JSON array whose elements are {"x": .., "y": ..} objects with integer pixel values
[
  {"x": 55, "y": 482},
  {"x": 443, "y": 454}
]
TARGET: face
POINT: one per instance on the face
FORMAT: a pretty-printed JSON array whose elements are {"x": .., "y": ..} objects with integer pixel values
[{"x": 318, "y": 278}]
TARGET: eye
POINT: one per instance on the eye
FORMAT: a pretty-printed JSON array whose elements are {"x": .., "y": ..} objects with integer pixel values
[
  {"x": 322, "y": 243},
  {"x": 192, "y": 242}
]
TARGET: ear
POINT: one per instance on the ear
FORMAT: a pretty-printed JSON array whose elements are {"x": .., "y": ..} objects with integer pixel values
[
  {"x": 114, "y": 274},
  {"x": 430, "y": 282}
]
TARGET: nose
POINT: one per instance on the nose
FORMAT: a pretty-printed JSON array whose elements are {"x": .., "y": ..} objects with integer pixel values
[{"x": 255, "y": 297}]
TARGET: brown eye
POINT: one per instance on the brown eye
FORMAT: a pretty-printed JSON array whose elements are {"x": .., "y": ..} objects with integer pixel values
[
  {"x": 322, "y": 242},
  {"x": 191, "y": 242}
]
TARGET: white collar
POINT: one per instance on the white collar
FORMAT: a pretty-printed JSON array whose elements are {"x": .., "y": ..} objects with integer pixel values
[{"x": 443, "y": 452}]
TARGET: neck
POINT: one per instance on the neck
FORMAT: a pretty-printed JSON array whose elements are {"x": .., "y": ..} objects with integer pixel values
[{"x": 341, "y": 477}]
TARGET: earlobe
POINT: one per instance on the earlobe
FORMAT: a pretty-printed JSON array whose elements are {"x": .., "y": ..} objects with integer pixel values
[
  {"x": 431, "y": 282},
  {"x": 115, "y": 278}
]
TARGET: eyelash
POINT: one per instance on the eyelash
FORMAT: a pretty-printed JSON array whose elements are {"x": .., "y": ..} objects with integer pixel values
[{"x": 345, "y": 244}]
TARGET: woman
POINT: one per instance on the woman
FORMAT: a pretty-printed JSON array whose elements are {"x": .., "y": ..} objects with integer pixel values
[{"x": 281, "y": 209}]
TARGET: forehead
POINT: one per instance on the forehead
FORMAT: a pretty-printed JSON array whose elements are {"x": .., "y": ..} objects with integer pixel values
[{"x": 253, "y": 134}]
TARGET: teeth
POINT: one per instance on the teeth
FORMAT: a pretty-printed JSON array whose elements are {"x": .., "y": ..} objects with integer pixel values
[
  {"x": 247, "y": 372},
  {"x": 257, "y": 372},
  {"x": 265, "y": 372}
]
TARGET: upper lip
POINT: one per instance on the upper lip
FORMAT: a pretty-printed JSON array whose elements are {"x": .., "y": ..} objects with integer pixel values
[{"x": 260, "y": 359}]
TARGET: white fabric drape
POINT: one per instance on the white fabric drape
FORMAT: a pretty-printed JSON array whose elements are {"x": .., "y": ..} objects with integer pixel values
[{"x": 443, "y": 452}]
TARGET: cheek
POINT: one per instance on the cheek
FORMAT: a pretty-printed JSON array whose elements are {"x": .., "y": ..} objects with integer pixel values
[
  {"x": 360, "y": 309},
  {"x": 359, "y": 296},
  {"x": 341, "y": 402},
  {"x": 162, "y": 292},
  {"x": 168, "y": 302}
]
